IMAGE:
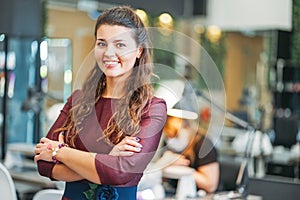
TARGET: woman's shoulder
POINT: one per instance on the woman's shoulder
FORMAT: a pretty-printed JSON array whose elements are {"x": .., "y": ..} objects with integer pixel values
[
  {"x": 206, "y": 146},
  {"x": 205, "y": 140},
  {"x": 72, "y": 99},
  {"x": 75, "y": 95},
  {"x": 156, "y": 105},
  {"x": 158, "y": 100}
]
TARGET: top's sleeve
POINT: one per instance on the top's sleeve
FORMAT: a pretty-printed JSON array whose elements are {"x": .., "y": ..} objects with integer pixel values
[
  {"x": 124, "y": 170},
  {"x": 44, "y": 167},
  {"x": 206, "y": 153}
]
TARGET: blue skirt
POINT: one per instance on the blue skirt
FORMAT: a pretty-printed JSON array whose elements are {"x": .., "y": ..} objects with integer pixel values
[{"x": 79, "y": 190}]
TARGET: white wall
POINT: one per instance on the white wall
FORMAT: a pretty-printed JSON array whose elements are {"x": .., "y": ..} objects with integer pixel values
[{"x": 237, "y": 15}]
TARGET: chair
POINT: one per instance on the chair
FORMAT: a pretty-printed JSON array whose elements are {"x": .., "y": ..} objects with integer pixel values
[
  {"x": 7, "y": 186},
  {"x": 49, "y": 194}
]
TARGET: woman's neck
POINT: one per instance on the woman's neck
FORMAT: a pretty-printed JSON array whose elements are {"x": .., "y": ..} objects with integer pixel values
[{"x": 114, "y": 88}]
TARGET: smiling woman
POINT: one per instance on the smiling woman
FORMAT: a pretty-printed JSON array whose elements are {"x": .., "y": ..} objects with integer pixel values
[
  {"x": 109, "y": 130},
  {"x": 116, "y": 51}
]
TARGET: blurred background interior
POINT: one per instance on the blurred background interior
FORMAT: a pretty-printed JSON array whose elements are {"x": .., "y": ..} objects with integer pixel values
[{"x": 255, "y": 45}]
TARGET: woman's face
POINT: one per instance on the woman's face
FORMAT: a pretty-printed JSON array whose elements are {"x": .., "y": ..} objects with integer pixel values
[
  {"x": 172, "y": 126},
  {"x": 116, "y": 50}
]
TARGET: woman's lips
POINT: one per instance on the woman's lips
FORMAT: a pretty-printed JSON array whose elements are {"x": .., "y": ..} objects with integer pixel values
[{"x": 109, "y": 64}]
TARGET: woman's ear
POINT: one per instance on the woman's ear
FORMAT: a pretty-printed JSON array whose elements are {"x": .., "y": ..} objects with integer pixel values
[{"x": 140, "y": 51}]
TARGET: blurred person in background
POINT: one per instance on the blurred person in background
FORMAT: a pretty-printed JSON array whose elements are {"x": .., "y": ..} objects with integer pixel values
[{"x": 193, "y": 149}]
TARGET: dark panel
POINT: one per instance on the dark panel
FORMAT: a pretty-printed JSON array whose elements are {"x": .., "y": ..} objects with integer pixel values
[
  {"x": 271, "y": 189},
  {"x": 200, "y": 7},
  {"x": 154, "y": 7},
  {"x": 5, "y": 16},
  {"x": 278, "y": 169},
  {"x": 291, "y": 74},
  {"x": 284, "y": 43},
  {"x": 286, "y": 130},
  {"x": 177, "y": 8},
  {"x": 21, "y": 18},
  {"x": 288, "y": 100},
  {"x": 289, "y": 95}
]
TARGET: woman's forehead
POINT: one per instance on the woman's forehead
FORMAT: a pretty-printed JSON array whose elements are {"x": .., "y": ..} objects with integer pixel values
[{"x": 114, "y": 32}]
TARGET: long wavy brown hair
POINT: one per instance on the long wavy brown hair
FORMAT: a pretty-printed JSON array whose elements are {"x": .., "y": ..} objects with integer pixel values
[{"x": 127, "y": 115}]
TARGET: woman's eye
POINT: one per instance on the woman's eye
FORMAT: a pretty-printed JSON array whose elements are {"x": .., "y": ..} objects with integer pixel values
[
  {"x": 101, "y": 44},
  {"x": 121, "y": 45}
]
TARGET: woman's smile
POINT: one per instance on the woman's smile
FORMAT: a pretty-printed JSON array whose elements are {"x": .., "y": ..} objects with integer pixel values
[
  {"x": 116, "y": 50},
  {"x": 109, "y": 64}
]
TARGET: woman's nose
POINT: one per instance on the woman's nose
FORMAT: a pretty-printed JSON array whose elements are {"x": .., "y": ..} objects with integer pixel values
[{"x": 110, "y": 51}]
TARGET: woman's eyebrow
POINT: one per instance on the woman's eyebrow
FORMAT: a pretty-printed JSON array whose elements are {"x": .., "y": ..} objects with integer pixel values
[
  {"x": 114, "y": 41},
  {"x": 100, "y": 39},
  {"x": 119, "y": 40}
]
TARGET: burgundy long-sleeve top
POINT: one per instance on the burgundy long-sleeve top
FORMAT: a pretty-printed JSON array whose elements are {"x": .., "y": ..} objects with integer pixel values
[{"x": 113, "y": 170}]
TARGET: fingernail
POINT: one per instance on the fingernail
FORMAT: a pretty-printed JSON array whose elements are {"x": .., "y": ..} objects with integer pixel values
[
  {"x": 63, "y": 133},
  {"x": 137, "y": 138},
  {"x": 139, "y": 149},
  {"x": 140, "y": 146}
]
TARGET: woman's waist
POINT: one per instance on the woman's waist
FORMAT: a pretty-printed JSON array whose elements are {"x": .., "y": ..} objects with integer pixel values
[{"x": 81, "y": 190}]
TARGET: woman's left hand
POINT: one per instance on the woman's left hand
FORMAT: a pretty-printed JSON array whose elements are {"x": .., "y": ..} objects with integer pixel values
[
  {"x": 127, "y": 147},
  {"x": 43, "y": 150}
]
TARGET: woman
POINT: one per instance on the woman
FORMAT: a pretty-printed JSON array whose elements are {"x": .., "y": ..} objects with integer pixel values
[
  {"x": 107, "y": 132},
  {"x": 193, "y": 150}
]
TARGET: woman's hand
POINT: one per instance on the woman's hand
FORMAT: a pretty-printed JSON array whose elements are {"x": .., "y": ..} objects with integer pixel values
[
  {"x": 127, "y": 147},
  {"x": 181, "y": 161},
  {"x": 44, "y": 149},
  {"x": 170, "y": 158}
]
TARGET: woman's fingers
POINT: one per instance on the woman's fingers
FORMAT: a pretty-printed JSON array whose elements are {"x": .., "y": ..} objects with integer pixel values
[
  {"x": 127, "y": 147},
  {"x": 182, "y": 161},
  {"x": 42, "y": 153},
  {"x": 44, "y": 139},
  {"x": 38, "y": 148},
  {"x": 132, "y": 141},
  {"x": 38, "y": 145},
  {"x": 132, "y": 148},
  {"x": 126, "y": 153},
  {"x": 61, "y": 137},
  {"x": 36, "y": 158},
  {"x": 131, "y": 144},
  {"x": 43, "y": 150}
]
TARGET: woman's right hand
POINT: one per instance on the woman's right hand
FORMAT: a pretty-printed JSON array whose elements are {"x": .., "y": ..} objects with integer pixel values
[
  {"x": 127, "y": 147},
  {"x": 181, "y": 161},
  {"x": 43, "y": 150}
]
